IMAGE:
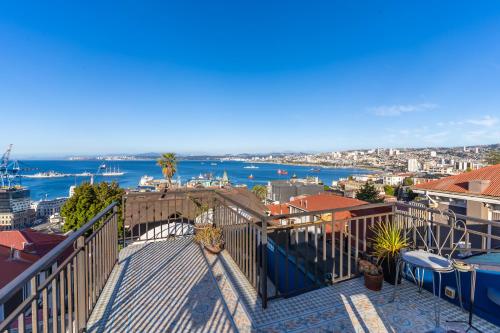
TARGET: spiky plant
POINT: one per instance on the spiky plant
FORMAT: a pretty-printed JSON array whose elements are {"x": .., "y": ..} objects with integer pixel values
[{"x": 388, "y": 241}]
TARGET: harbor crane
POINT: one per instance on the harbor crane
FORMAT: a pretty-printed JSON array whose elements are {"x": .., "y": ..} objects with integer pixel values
[{"x": 9, "y": 170}]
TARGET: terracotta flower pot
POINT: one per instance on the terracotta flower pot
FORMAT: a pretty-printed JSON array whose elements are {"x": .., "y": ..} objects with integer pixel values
[
  {"x": 374, "y": 282},
  {"x": 213, "y": 249}
]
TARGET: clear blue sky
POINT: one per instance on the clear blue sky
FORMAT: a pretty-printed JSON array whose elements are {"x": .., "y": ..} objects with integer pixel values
[{"x": 247, "y": 76}]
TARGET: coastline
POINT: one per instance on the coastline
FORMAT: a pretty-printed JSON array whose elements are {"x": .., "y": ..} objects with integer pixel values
[{"x": 325, "y": 166}]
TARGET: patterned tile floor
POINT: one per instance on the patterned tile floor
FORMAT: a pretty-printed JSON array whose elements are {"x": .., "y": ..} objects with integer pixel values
[{"x": 173, "y": 286}]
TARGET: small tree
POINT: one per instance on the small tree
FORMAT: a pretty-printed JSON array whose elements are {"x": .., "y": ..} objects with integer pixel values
[
  {"x": 389, "y": 190},
  {"x": 368, "y": 192},
  {"x": 168, "y": 164},
  {"x": 87, "y": 201},
  {"x": 407, "y": 181},
  {"x": 260, "y": 191}
]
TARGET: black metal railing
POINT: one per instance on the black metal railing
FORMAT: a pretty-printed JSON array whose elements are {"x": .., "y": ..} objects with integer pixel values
[
  {"x": 62, "y": 287},
  {"x": 155, "y": 216}
]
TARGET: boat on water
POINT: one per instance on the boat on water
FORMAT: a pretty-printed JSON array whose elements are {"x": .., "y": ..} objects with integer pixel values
[
  {"x": 250, "y": 177},
  {"x": 213, "y": 163},
  {"x": 145, "y": 180},
  {"x": 250, "y": 167},
  {"x": 316, "y": 170},
  {"x": 47, "y": 174},
  {"x": 83, "y": 174},
  {"x": 282, "y": 172},
  {"x": 112, "y": 172}
]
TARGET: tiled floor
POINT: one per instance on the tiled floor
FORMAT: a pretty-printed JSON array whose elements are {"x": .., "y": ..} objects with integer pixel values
[
  {"x": 163, "y": 286},
  {"x": 174, "y": 286}
]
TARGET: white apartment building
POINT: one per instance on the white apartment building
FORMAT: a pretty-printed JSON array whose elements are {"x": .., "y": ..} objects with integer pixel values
[{"x": 413, "y": 165}]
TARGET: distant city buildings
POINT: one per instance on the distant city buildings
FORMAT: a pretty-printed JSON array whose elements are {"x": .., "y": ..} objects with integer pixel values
[
  {"x": 15, "y": 210},
  {"x": 284, "y": 190},
  {"x": 45, "y": 208}
]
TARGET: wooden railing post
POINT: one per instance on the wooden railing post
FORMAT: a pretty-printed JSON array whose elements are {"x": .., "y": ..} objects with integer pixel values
[{"x": 81, "y": 304}]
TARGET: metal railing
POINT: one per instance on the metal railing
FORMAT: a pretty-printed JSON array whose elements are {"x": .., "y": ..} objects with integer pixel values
[
  {"x": 311, "y": 249},
  {"x": 77, "y": 270},
  {"x": 155, "y": 216}
]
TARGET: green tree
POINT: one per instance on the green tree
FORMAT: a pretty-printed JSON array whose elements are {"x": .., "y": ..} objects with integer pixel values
[
  {"x": 168, "y": 164},
  {"x": 493, "y": 157},
  {"x": 407, "y": 181},
  {"x": 368, "y": 192},
  {"x": 87, "y": 201},
  {"x": 389, "y": 190},
  {"x": 260, "y": 191}
]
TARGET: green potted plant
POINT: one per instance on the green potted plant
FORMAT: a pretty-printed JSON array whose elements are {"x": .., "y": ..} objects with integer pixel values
[
  {"x": 387, "y": 243},
  {"x": 373, "y": 275},
  {"x": 210, "y": 237}
]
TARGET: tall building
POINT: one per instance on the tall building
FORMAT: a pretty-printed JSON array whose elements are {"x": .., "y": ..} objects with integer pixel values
[
  {"x": 15, "y": 210},
  {"x": 413, "y": 165}
]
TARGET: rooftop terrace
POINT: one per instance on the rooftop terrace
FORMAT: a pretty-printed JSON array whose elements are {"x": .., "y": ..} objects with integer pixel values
[
  {"x": 285, "y": 273},
  {"x": 175, "y": 286}
]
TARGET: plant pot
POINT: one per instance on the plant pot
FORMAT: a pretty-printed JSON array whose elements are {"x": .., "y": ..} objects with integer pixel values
[
  {"x": 389, "y": 270},
  {"x": 374, "y": 282},
  {"x": 213, "y": 249}
]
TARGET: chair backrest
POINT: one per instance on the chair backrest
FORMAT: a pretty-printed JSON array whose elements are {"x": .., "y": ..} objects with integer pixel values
[{"x": 428, "y": 226}]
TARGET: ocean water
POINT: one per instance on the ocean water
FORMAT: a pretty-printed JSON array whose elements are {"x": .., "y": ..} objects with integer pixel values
[{"x": 186, "y": 170}]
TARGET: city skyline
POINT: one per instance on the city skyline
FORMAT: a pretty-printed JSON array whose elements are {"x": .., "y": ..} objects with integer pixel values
[{"x": 232, "y": 78}]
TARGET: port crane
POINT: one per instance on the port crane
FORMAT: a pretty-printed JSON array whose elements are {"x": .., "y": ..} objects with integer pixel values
[{"x": 9, "y": 170}]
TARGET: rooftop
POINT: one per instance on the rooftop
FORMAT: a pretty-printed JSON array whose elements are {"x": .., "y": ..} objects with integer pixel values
[{"x": 461, "y": 183}]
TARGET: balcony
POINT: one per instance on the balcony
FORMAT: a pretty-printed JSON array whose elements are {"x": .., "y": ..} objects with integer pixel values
[{"x": 293, "y": 272}]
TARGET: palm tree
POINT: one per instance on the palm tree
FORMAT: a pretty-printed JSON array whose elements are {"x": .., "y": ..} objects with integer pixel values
[
  {"x": 260, "y": 191},
  {"x": 168, "y": 165}
]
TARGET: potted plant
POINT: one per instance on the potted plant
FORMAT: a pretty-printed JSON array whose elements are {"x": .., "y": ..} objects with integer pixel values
[
  {"x": 387, "y": 243},
  {"x": 373, "y": 274},
  {"x": 210, "y": 237}
]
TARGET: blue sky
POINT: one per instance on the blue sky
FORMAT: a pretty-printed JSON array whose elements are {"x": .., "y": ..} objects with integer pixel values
[{"x": 247, "y": 76}]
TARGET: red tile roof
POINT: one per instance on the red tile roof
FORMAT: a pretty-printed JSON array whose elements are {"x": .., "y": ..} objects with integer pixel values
[
  {"x": 325, "y": 201},
  {"x": 30, "y": 241},
  {"x": 29, "y": 245},
  {"x": 460, "y": 183},
  {"x": 12, "y": 267},
  {"x": 278, "y": 209}
]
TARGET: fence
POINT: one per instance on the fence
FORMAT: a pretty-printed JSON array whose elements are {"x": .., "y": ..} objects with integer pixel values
[{"x": 77, "y": 270}]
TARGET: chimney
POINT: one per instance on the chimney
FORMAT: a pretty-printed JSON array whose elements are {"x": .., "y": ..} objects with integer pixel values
[
  {"x": 305, "y": 201},
  {"x": 478, "y": 186}
]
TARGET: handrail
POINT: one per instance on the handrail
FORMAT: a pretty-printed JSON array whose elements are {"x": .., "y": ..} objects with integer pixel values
[
  {"x": 326, "y": 211},
  {"x": 239, "y": 205},
  {"x": 13, "y": 286},
  {"x": 457, "y": 216}
]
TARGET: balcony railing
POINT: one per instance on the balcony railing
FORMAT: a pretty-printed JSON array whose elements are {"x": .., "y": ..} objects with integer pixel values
[
  {"x": 77, "y": 270},
  {"x": 295, "y": 252}
]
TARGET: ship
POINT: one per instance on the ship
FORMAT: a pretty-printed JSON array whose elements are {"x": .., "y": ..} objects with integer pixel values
[
  {"x": 83, "y": 174},
  {"x": 282, "y": 172},
  {"x": 316, "y": 170},
  {"x": 250, "y": 167},
  {"x": 146, "y": 180},
  {"x": 47, "y": 174},
  {"x": 250, "y": 177},
  {"x": 112, "y": 172},
  {"x": 213, "y": 163}
]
